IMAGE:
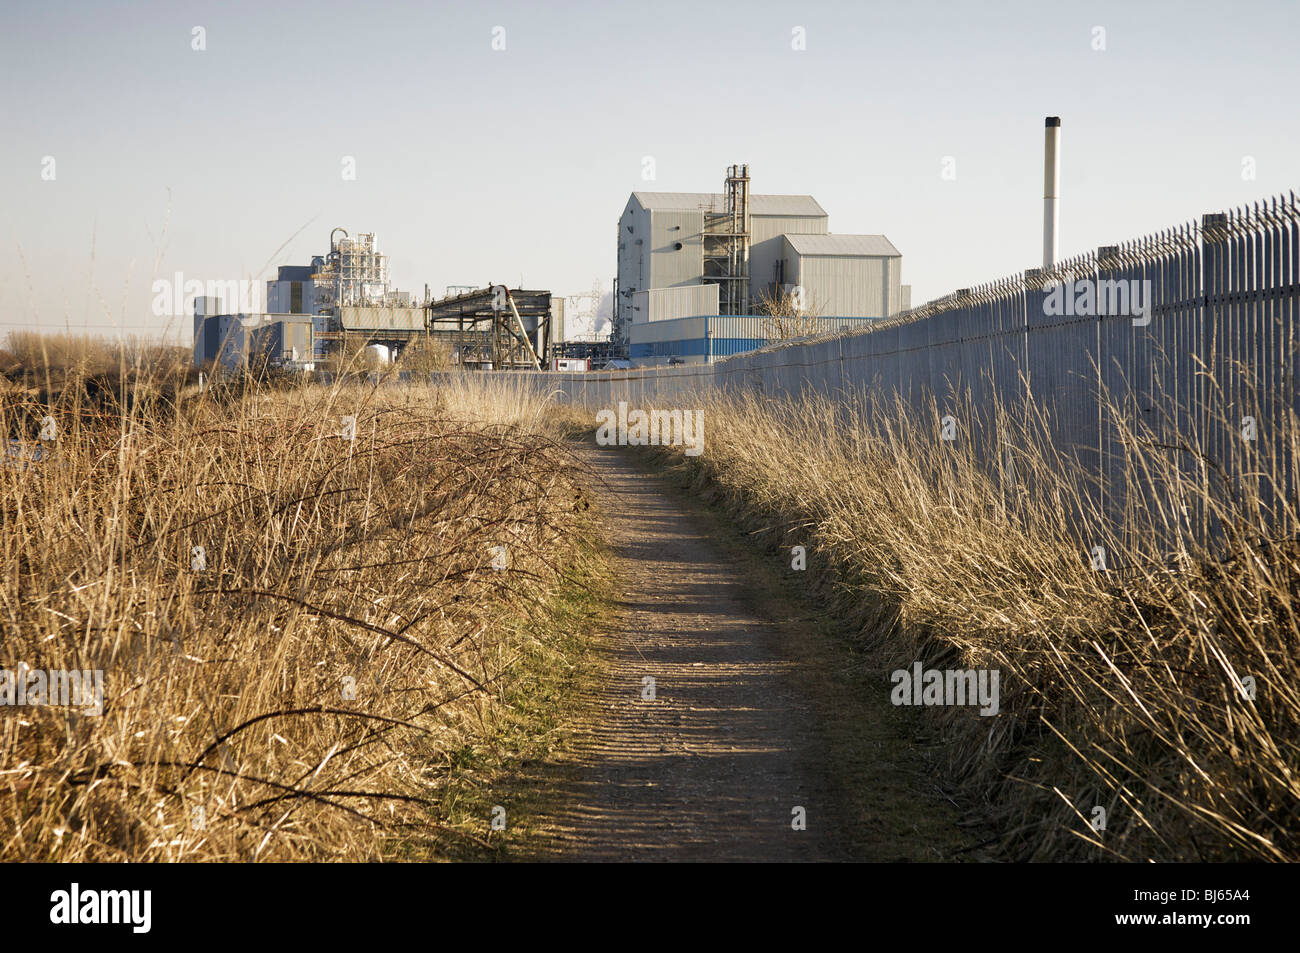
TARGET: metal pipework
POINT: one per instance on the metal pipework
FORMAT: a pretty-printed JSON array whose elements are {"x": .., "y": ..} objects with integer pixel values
[
  {"x": 519, "y": 331},
  {"x": 1051, "y": 189}
]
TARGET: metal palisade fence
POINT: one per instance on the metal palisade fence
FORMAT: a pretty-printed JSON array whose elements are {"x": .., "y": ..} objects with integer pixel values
[{"x": 1173, "y": 357}]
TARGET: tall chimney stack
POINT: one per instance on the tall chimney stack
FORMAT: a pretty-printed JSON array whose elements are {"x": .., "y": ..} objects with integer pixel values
[{"x": 1051, "y": 189}]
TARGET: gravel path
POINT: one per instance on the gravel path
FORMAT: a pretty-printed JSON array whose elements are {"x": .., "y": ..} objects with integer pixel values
[{"x": 715, "y": 764}]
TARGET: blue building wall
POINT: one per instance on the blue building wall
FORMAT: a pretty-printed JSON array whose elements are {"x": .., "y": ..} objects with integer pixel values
[{"x": 724, "y": 336}]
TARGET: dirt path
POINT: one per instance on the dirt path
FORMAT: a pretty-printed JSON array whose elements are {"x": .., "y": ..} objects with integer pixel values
[{"x": 735, "y": 737}]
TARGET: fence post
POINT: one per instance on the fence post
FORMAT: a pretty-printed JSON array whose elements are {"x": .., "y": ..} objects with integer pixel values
[{"x": 1216, "y": 287}]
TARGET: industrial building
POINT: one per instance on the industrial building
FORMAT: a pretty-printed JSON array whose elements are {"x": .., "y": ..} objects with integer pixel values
[
  {"x": 235, "y": 340},
  {"x": 319, "y": 314},
  {"x": 699, "y": 273},
  {"x": 700, "y": 276},
  {"x": 708, "y": 338}
]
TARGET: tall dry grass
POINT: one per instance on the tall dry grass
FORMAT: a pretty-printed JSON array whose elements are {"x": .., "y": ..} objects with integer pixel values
[
  {"x": 35, "y": 354},
  {"x": 1121, "y": 689},
  {"x": 301, "y": 690}
]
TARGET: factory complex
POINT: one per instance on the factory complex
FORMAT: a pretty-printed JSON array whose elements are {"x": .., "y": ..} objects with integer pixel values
[{"x": 700, "y": 276}]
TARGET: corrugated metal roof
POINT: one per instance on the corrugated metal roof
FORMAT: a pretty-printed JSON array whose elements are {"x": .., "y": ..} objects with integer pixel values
[
  {"x": 875, "y": 246},
  {"x": 804, "y": 205}
]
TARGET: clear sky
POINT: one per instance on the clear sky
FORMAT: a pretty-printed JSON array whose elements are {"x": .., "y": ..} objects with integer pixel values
[{"x": 477, "y": 165}]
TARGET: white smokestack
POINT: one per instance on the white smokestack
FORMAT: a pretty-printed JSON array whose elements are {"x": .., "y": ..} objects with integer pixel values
[{"x": 1051, "y": 189}]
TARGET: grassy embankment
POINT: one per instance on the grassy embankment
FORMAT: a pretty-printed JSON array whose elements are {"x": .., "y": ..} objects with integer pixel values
[{"x": 307, "y": 652}]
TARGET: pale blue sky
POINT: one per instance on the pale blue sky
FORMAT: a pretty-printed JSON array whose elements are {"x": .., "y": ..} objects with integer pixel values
[{"x": 475, "y": 165}]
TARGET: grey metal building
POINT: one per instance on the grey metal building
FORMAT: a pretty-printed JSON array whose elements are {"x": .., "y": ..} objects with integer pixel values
[
  {"x": 843, "y": 275},
  {"x": 232, "y": 341},
  {"x": 710, "y": 254},
  {"x": 662, "y": 240}
]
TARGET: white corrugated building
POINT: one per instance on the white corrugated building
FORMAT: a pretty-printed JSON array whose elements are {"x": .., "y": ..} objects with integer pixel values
[
  {"x": 843, "y": 275},
  {"x": 665, "y": 271},
  {"x": 661, "y": 240}
]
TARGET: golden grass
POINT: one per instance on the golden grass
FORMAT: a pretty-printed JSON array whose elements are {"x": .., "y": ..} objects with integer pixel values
[
  {"x": 304, "y": 694},
  {"x": 35, "y": 355}
]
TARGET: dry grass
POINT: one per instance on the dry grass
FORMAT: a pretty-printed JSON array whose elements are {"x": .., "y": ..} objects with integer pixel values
[
  {"x": 307, "y": 692},
  {"x": 36, "y": 355},
  {"x": 1122, "y": 690}
]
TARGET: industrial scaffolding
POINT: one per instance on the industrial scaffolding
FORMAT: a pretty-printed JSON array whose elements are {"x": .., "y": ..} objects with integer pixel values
[
  {"x": 492, "y": 327},
  {"x": 355, "y": 274},
  {"x": 726, "y": 244}
]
